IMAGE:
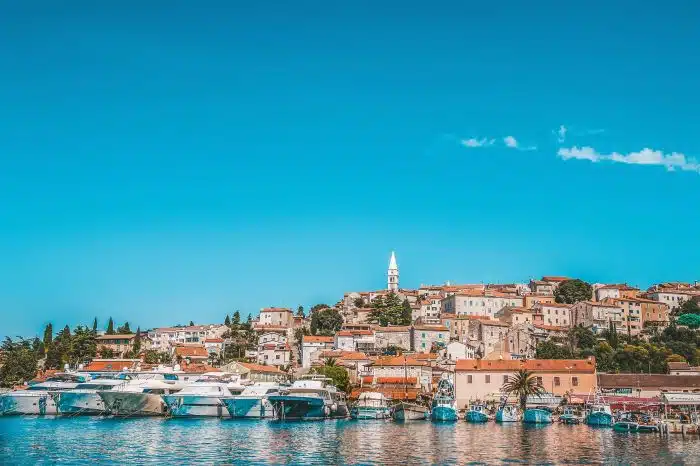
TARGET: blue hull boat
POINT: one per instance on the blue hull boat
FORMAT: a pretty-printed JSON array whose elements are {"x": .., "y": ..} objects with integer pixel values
[
  {"x": 599, "y": 419},
  {"x": 537, "y": 416},
  {"x": 476, "y": 416},
  {"x": 443, "y": 413}
]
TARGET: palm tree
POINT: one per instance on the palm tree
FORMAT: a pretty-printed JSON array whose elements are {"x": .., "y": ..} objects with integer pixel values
[
  {"x": 523, "y": 384},
  {"x": 329, "y": 362}
]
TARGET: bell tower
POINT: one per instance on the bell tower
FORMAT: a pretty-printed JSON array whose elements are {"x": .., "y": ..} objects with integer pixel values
[{"x": 393, "y": 274}]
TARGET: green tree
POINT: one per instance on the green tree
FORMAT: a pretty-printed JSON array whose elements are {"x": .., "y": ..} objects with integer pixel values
[
  {"x": 20, "y": 362},
  {"x": 581, "y": 338},
  {"x": 300, "y": 311},
  {"x": 326, "y": 322},
  {"x": 152, "y": 356},
  {"x": 318, "y": 307},
  {"x": 573, "y": 291},
  {"x": 338, "y": 375},
  {"x": 124, "y": 329},
  {"x": 83, "y": 346},
  {"x": 59, "y": 352},
  {"x": 236, "y": 318},
  {"x": 390, "y": 311},
  {"x": 38, "y": 348},
  {"x": 227, "y": 321},
  {"x": 191, "y": 323},
  {"x": 689, "y": 306},
  {"x": 359, "y": 302},
  {"x": 94, "y": 326},
  {"x": 110, "y": 327},
  {"x": 406, "y": 313},
  {"x": 106, "y": 352},
  {"x": 550, "y": 350},
  {"x": 48, "y": 336},
  {"x": 605, "y": 358},
  {"x": 136, "y": 347},
  {"x": 689, "y": 320},
  {"x": 522, "y": 384}
]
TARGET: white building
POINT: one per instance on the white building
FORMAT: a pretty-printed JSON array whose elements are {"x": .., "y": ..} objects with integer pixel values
[
  {"x": 479, "y": 303},
  {"x": 393, "y": 274},
  {"x": 311, "y": 344},
  {"x": 399, "y": 336},
  {"x": 673, "y": 298},
  {"x": 272, "y": 337},
  {"x": 275, "y": 354},
  {"x": 165, "y": 338},
  {"x": 597, "y": 316},
  {"x": 276, "y": 317},
  {"x": 423, "y": 337},
  {"x": 354, "y": 340},
  {"x": 457, "y": 350},
  {"x": 555, "y": 314}
]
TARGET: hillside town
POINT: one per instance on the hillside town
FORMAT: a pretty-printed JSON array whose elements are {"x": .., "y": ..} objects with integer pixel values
[{"x": 577, "y": 338}]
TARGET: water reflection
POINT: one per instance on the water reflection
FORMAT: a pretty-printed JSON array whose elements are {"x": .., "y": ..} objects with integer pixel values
[{"x": 90, "y": 440}]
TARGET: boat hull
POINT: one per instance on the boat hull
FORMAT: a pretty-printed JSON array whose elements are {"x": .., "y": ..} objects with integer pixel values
[
  {"x": 132, "y": 404},
  {"x": 599, "y": 419},
  {"x": 305, "y": 408},
  {"x": 476, "y": 417},
  {"x": 537, "y": 416},
  {"x": 195, "y": 406},
  {"x": 78, "y": 403},
  {"x": 443, "y": 414},
  {"x": 363, "y": 412},
  {"x": 569, "y": 419},
  {"x": 407, "y": 412},
  {"x": 246, "y": 407},
  {"x": 504, "y": 416},
  {"x": 634, "y": 427},
  {"x": 39, "y": 403}
]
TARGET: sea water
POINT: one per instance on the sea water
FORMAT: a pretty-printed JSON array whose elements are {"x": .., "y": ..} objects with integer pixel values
[{"x": 105, "y": 440}]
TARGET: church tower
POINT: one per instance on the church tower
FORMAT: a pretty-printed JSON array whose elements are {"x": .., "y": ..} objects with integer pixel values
[{"x": 393, "y": 274}]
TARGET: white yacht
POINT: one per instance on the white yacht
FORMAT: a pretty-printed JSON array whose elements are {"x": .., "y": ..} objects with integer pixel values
[
  {"x": 253, "y": 402},
  {"x": 36, "y": 398},
  {"x": 311, "y": 397},
  {"x": 140, "y": 395},
  {"x": 203, "y": 397},
  {"x": 84, "y": 398}
]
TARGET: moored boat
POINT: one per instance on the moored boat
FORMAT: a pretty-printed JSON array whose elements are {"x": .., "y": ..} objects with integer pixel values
[
  {"x": 635, "y": 422},
  {"x": 138, "y": 397},
  {"x": 444, "y": 407},
  {"x": 537, "y": 415},
  {"x": 476, "y": 413},
  {"x": 253, "y": 401},
  {"x": 570, "y": 416},
  {"x": 600, "y": 414},
  {"x": 404, "y": 411},
  {"x": 370, "y": 405},
  {"x": 312, "y": 397},
  {"x": 84, "y": 398},
  {"x": 199, "y": 399},
  {"x": 507, "y": 413},
  {"x": 36, "y": 399}
]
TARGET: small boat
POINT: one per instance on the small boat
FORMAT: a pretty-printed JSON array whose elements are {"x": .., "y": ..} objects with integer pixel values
[
  {"x": 140, "y": 396},
  {"x": 570, "y": 416},
  {"x": 635, "y": 422},
  {"x": 444, "y": 407},
  {"x": 84, "y": 398},
  {"x": 599, "y": 413},
  {"x": 537, "y": 415},
  {"x": 253, "y": 402},
  {"x": 312, "y": 397},
  {"x": 36, "y": 398},
  {"x": 202, "y": 398},
  {"x": 370, "y": 405},
  {"x": 508, "y": 413},
  {"x": 404, "y": 411},
  {"x": 477, "y": 412}
]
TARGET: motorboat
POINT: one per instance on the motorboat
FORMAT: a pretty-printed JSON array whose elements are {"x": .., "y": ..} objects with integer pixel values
[
  {"x": 537, "y": 415},
  {"x": 507, "y": 413},
  {"x": 311, "y": 397},
  {"x": 84, "y": 399},
  {"x": 35, "y": 399},
  {"x": 635, "y": 422},
  {"x": 444, "y": 406},
  {"x": 370, "y": 405},
  {"x": 404, "y": 411},
  {"x": 253, "y": 401},
  {"x": 141, "y": 395},
  {"x": 202, "y": 398},
  {"x": 570, "y": 416},
  {"x": 599, "y": 413},
  {"x": 477, "y": 413}
]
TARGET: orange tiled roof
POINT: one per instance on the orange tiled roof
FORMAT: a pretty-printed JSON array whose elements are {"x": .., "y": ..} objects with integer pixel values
[
  {"x": 354, "y": 356},
  {"x": 116, "y": 365},
  {"x": 261, "y": 368},
  {"x": 398, "y": 361},
  {"x": 397, "y": 380},
  {"x": 317, "y": 339},
  {"x": 276, "y": 309},
  {"x": 537, "y": 365},
  {"x": 191, "y": 351},
  {"x": 554, "y": 278},
  {"x": 397, "y": 328},
  {"x": 350, "y": 333},
  {"x": 214, "y": 340}
]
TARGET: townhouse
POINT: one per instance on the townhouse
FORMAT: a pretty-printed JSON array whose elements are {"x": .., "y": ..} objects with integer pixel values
[
  {"x": 479, "y": 303},
  {"x": 597, "y": 316},
  {"x": 311, "y": 344},
  {"x": 638, "y": 312},
  {"x": 553, "y": 314},
  {"x": 423, "y": 337}
]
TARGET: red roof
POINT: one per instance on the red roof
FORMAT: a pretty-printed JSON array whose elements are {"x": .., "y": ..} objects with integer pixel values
[
  {"x": 536, "y": 365},
  {"x": 553, "y": 278},
  {"x": 116, "y": 365},
  {"x": 276, "y": 309},
  {"x": 317, "y": 339},
  {"x": 214, "y": 340},
  {"x": 397, "y": 380},
  {"x": 191, "y": 351},
  {"x": 260, "y": 368}
]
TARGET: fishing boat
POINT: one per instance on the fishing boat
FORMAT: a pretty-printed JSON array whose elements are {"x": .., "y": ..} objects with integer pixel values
[
  {"x": 253, "y": 401},
  {"x": 202, "y": 398},
  {"x": 370, "y": 405},
  {"x": 140, "y": 396},
  {"x": 444, "y": 407},
  {"x": 404, "y": 411},
  {"x": 477, "y": 412},
  {"x": 312, "y": 397},
  {"x": 84, "y": 398},
  {"x": 507, "y": 413},
  {"x": 36, "y": 398},
  {"x": 599, "y": 413},
  {"x": 635, "y": 422},
  {"x": 570, "y": 416},
  {"x": 537, "y": 415}
]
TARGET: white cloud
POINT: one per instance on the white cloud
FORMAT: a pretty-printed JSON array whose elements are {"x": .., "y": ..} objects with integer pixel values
[
  {"x": 473, "y": 142},
  {"x": 511, "y": 142},
  {"x": 646, "y": 156}
]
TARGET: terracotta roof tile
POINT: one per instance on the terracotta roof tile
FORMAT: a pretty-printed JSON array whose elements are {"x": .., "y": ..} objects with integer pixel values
[
  {"x": 536, "y": 365},
  {"x": 317, "y": 339}
]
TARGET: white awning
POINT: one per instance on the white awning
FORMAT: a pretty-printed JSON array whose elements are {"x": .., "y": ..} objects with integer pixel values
[{"x": 681, "y": 398}]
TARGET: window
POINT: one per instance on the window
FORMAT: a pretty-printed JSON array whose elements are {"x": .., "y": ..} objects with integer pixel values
[
  {"x": 574, "y": 381},
  {"x": 488, "y": 378},
  {"x": 505, "y": 378},
  {"x": 469, "y": 379},
  {"x": 557, "y": 382},
  {"x": 539, "y": 381},
  {"x": 277, "y": 356}
]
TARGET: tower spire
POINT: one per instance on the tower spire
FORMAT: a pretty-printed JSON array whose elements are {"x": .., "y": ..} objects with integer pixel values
[{"x": 393, "y": 274}]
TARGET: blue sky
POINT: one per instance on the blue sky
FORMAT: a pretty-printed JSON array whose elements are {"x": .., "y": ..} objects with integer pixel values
[{"x": 171, "y": 160}]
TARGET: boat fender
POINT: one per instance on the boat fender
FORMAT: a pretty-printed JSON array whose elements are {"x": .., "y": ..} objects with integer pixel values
[{"x": 327, "y": 410}]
